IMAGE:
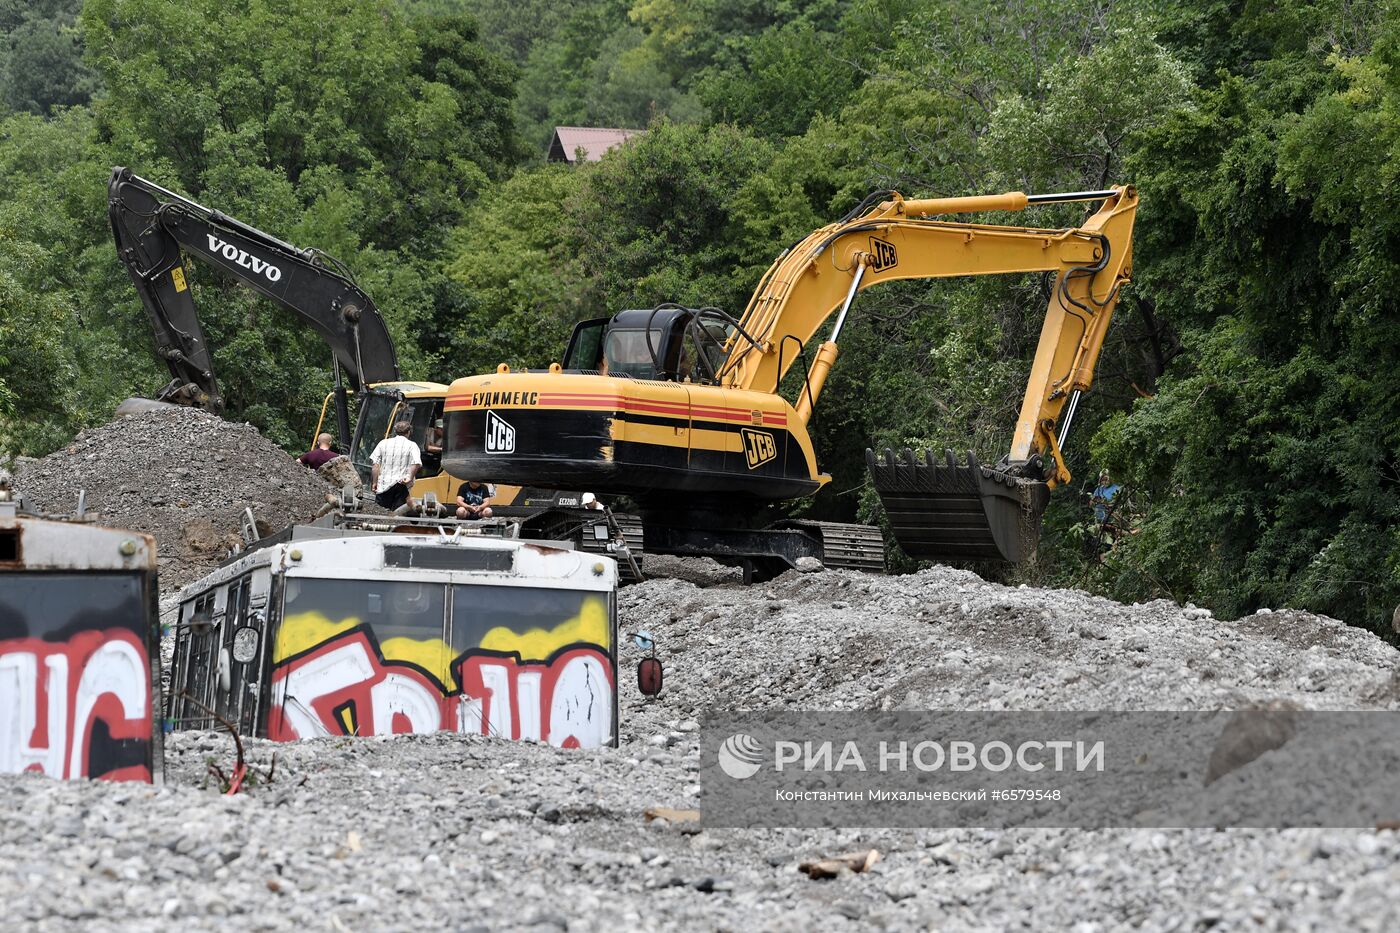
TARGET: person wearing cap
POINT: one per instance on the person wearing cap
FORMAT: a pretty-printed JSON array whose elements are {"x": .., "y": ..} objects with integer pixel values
[
  {"x": 474, "y": 500},
  {"x": 432, "y": 448}
]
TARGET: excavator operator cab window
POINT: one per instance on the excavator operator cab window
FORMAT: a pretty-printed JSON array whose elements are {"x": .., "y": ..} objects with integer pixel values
[
  {"x": 628, "y": 354},
  {"x": 683, "y": 345},
  {"x": 585, "y": 351},
  {"x": 690, "y": 365},
  {"x": 425, "y": 414},
  {"x": 713, "y": 336},
  {"x": 377, "y": 414}
]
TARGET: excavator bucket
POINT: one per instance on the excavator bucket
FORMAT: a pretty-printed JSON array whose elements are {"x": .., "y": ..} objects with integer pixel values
[{"x": 957, "y": 512}]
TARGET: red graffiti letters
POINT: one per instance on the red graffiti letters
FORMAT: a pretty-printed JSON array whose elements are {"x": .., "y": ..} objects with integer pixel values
[
  {"x": 76, "y": 708},
  {"x": 344, "y": 686}
]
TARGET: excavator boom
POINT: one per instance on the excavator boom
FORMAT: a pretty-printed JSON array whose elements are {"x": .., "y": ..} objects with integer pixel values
[
  {"x": 952, "y": 510},
  {"x": 155, "y": 227}
]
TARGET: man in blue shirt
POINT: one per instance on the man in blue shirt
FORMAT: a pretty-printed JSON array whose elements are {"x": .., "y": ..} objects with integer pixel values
[
  {"x": 1104, "y": 495},
  {"x": 473, "y": 500}
]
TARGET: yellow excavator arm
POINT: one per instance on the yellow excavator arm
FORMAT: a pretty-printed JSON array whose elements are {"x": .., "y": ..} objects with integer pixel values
[
  {"x": 679, "y": 408},
  {"x": 889, "y": 238}
]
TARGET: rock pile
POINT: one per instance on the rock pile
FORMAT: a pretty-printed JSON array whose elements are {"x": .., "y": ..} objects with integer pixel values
[
  {"x": 455, "y": 832},
  {"x": 180, "y": 474}
]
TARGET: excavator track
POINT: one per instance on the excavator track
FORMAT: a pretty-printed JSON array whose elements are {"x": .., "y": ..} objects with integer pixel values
[
  {"x": 577, "y": 526},
  {"x": 958, "y": 512},
  {"x": 846, "y": 547}
]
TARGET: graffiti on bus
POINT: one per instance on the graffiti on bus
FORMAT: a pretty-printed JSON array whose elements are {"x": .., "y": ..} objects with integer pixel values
[
  {"x": 76, "y": 708},
  {"x": 553, "y": 685}
]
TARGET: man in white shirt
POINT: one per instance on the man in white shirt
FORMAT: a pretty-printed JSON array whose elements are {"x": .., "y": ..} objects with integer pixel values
[{"x": 396, "y": 462}]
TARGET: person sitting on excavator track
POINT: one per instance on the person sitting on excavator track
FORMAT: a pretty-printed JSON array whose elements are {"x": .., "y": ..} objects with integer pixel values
[
  {"x": 321, "y": 454},
  {"x": 396, "y": 461},
  {"x": 474, "y": 500}
]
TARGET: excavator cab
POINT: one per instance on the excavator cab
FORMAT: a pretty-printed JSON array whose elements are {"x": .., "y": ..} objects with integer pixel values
[
  {"x": 419, "y": 403},
  {"x": 668, "y": 343}
]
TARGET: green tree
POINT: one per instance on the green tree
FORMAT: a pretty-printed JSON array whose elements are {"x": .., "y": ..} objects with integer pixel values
[
  {"x": 357, "y": 128},
  {"x": 65, "y": 361},
  {"x": 787, "y": 74},
  {"x": 1266, "y": 461},
  {"x": 408, "y": 121},
  {"x": 521, "y": 288},
  {"x": 654, "y": 221},
  {"x": 595, "y": 69},
  {"x": 41, "y": 56}
]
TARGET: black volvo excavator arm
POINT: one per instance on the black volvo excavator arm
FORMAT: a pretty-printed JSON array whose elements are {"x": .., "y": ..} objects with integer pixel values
[{"x": 155, "y": 228}]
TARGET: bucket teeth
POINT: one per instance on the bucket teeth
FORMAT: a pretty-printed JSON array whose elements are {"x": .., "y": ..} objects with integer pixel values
[{"x": 957, "y": 511}]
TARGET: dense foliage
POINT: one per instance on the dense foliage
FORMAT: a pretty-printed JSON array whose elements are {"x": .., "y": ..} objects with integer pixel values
[{"x": 1246, "y": 396}]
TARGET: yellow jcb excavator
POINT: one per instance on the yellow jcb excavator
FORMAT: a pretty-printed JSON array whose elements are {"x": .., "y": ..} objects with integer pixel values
[{"x": 679, "y": 409}]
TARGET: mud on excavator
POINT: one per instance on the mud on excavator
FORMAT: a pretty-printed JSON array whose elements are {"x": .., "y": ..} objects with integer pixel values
[{"x": 679, "y": 409}]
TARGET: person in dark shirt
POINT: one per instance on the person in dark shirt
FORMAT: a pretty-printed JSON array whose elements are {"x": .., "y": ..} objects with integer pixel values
[
  {"x": 319, "y": 455},
  {"x": 473, "y": 500}
]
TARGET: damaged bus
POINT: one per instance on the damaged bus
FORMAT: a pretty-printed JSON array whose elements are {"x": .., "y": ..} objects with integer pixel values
[
  {"x": 333, "y": 631},
  {"x": 79, "y": 658}
]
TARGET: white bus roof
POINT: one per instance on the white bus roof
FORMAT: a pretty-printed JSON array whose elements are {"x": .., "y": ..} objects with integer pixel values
[
  {"x": 464, "y": 559},
  {"x": 44, "y": 544}
]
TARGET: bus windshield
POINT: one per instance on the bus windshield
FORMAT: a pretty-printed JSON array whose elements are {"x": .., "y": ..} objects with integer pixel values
[
  {"x": 59, "y": 605},
  {"x": 481, "y": 614}
]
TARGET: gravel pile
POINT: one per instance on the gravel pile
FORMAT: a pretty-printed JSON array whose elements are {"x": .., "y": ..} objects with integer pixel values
[
  {"x": 452, "y": 832},
  {"x": 180, "y": 474}
]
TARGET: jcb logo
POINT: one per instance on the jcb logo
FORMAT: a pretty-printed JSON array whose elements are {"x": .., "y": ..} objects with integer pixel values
[
  {"x": 759, "y": 447},
  {"x": 500, "y": 437},
  {"x": 882, "y": 255}
]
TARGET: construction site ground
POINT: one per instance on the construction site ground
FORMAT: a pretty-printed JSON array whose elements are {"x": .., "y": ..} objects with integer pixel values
[{"x": 451, "y": 832}]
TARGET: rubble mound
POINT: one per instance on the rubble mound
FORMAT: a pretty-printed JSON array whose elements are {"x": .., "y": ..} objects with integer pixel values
[
  {"x": 180, "y": 474},
  {"x": 945, "y": 639},
  {"x": 534, "y": 837}
]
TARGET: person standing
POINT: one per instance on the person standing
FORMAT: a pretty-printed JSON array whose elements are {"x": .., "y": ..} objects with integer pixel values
[
  {"x": 1103, "y": 497},
  {"x": 321, "y": 454},
  {"x": 396, "y": 461}
]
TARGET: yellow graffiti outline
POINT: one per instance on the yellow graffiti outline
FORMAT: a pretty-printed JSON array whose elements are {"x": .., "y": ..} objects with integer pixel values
[
  {"x": 590, "y": 626},
  {"x": 305, "y": 631}
]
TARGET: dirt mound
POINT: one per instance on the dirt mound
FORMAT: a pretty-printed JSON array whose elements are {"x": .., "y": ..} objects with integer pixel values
[
  {"x": 535, "y": 837},
  {"x": 182, "y": 475}
]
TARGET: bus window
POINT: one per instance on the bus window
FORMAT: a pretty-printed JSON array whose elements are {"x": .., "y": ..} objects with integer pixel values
[
  {"x": 478, "y": 609},
  {"x": 391, "y": 608}
]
